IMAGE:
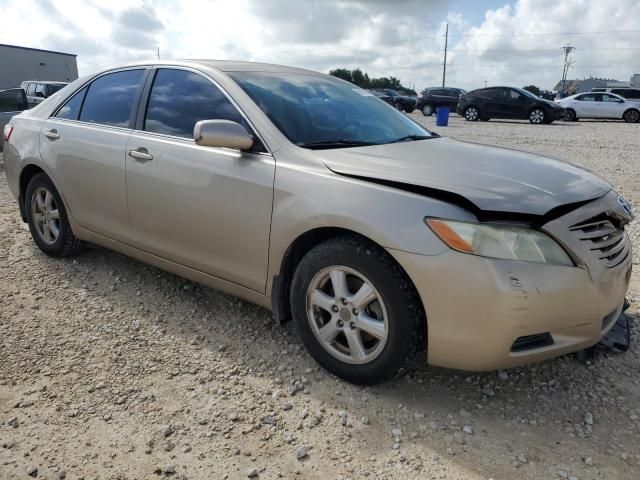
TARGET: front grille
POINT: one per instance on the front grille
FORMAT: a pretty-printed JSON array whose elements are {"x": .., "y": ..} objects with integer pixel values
[{"x": 605, "y": 238}]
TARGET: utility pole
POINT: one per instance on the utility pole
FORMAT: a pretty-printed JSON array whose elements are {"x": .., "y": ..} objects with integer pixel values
[
  {"x": 158, "y": 52},
  {"x": 568, "y": 63},
  {"x": 444, "y": 65}
]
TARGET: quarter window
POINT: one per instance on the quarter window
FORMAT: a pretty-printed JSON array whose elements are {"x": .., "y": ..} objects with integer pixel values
[
  {"x": 180, "y": 98},
  {"x": 111, "y": 97},
  {"x": 71, "y": 109}
]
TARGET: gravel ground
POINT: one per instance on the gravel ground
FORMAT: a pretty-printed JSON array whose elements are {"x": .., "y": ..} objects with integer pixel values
[{"x": 111, "y": 369}]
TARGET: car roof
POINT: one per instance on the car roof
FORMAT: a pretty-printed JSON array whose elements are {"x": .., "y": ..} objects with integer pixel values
[
  {"x": 47, "y": 82},
  {"x": 223, "y": 65}
]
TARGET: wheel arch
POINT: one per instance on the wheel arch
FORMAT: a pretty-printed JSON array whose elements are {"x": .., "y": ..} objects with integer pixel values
[
  {"x": 26, "y": 174},
  {"x": 301, "y": 245}
]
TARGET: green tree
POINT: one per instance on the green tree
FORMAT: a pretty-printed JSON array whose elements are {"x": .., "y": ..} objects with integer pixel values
[
  {"x": 533, "y": 89},
  {"x": 362, "y": 80}
]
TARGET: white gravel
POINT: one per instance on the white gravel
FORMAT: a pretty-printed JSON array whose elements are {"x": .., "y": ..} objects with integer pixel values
[{"x": 111, "y": 369}]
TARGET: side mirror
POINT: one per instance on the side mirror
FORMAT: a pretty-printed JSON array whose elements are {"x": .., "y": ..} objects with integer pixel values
[{"x": 222, "y": 133}]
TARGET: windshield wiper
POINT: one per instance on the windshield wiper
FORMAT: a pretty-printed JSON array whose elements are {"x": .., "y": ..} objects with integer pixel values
[
  {"x": 336, "y": 144},
  {"x": 411, "y": 138}
]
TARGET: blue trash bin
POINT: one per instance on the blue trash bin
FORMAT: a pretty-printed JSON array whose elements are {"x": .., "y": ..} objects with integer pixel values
[{"x": 442, "y": 116}]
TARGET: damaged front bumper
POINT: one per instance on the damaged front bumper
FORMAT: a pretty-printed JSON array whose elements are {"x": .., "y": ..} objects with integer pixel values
[{"x": 488, "y": 314}]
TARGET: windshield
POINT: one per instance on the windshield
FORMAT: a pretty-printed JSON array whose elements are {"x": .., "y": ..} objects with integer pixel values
[
  {"x": 526, "y": 93},
  {"x": 316, "y": 111}
]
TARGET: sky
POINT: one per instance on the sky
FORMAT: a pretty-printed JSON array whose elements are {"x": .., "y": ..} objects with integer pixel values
[{"x": 499, "y": 42}]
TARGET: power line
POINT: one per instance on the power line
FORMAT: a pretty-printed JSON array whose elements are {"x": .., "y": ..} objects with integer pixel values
[{"x": 436, "y": 35}]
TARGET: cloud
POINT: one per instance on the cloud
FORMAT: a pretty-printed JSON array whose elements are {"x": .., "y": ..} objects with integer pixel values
[
  {"x": 137, "y": 28},
  {"x": 517, "y": 44}
]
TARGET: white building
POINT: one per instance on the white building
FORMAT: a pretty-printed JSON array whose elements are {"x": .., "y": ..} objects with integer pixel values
[{"x": 22, "y": 63}]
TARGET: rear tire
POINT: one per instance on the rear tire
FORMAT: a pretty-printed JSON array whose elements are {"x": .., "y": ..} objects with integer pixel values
[
  {"x": 471, "y": 114},
  {"x": 47, "y": 218},
  {"x": 338, "y": 269},
  {"x": 427, "y": 110},
  {"x": 631, "y": 116},
  {"x": 570, "y": 115}
]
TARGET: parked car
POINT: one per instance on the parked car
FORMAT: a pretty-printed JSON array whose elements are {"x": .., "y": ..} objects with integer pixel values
[
  {"x": 383, "y": 96},
  {"x": 625, "y": 92},
  {"x": 12, "y": 102},
  {"x": 600, "y": 105},
  {"x": 431, "y": 98},
  {"x": 293, "y": 190},
  {"x": 509, "y": 103},
  {"x": 38, "y": 90},
  {"x": 401, "y": 102}
]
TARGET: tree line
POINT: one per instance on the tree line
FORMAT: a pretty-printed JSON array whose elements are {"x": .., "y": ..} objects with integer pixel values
[{"x": 362, "y": 80}]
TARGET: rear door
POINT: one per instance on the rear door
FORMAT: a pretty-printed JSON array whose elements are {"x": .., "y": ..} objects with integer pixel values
[
  {"x": 451, "y": 98},
  {"x": 84, "y": 144},
  {"x": 203, "y": 207},
  {"x": 493, "y": 103},
  {"x": 612, "y": 106}
]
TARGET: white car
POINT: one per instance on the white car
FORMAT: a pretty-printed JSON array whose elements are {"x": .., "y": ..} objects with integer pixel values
[{"x": 600, "y": 105}]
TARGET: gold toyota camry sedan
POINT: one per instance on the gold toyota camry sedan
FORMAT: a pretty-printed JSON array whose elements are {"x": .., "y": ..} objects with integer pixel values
[{"x": 309, "y": 196}]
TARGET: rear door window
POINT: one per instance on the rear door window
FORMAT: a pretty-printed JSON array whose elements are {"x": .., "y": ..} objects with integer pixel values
[
  {"x": 609, "y": 98},
  {"x": 71, "y": 109},
  {"x": 31, "y": 89},
  {"x": 180, "y": 98},
  {"x": 111, "y": 97},
  {"x": 590, "y": 97}
]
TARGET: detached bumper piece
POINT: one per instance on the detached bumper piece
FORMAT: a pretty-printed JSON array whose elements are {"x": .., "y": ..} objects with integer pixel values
[{"x": 619, "y": 337}]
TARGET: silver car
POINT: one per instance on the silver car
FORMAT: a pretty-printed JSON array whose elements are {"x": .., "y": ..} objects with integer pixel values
[
  {"x": 600, "y": 105},
  {"x": 313, "y": 198}
]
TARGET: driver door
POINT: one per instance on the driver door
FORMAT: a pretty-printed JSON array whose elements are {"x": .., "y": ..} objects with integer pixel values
[{"x": 202, "y": 207}]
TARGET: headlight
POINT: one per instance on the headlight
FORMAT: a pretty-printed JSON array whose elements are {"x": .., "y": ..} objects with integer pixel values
[{"x": 500, "y": 241}]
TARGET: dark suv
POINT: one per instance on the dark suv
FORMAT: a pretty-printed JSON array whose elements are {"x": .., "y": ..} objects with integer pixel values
[
  {"x": 509, "y": 103},
  {"x": 401, "y": 102},
  {"x": 431, "y": 98}
]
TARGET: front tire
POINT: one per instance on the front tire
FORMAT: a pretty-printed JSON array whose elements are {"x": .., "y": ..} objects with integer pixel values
[
  {"x": 471, "y": 114},
  {"x": 356, "y": 311},
  {"x": 47, "y": 218},
  {"x": 631, "y": 116},
  {"x": 537, "y": 116}
]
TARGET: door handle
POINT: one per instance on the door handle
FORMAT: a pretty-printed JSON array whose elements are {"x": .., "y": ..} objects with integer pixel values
[
  {"x": 52, "y": 134},
  {"x": 141, "y": 154}
]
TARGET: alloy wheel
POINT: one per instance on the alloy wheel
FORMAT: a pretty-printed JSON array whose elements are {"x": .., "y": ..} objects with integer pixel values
[
  {"x": 536, "y": 116},
  {"x": 632, "y": 116},
  {"x": 347, "y": 315},
  {"x": 45, "y": 215},
  {"x": 471, "y": 114},
  {"x": 427, "y": 110}
]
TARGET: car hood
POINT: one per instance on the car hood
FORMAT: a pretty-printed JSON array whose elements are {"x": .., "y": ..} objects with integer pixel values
[{"x": 493, "y": 179}]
